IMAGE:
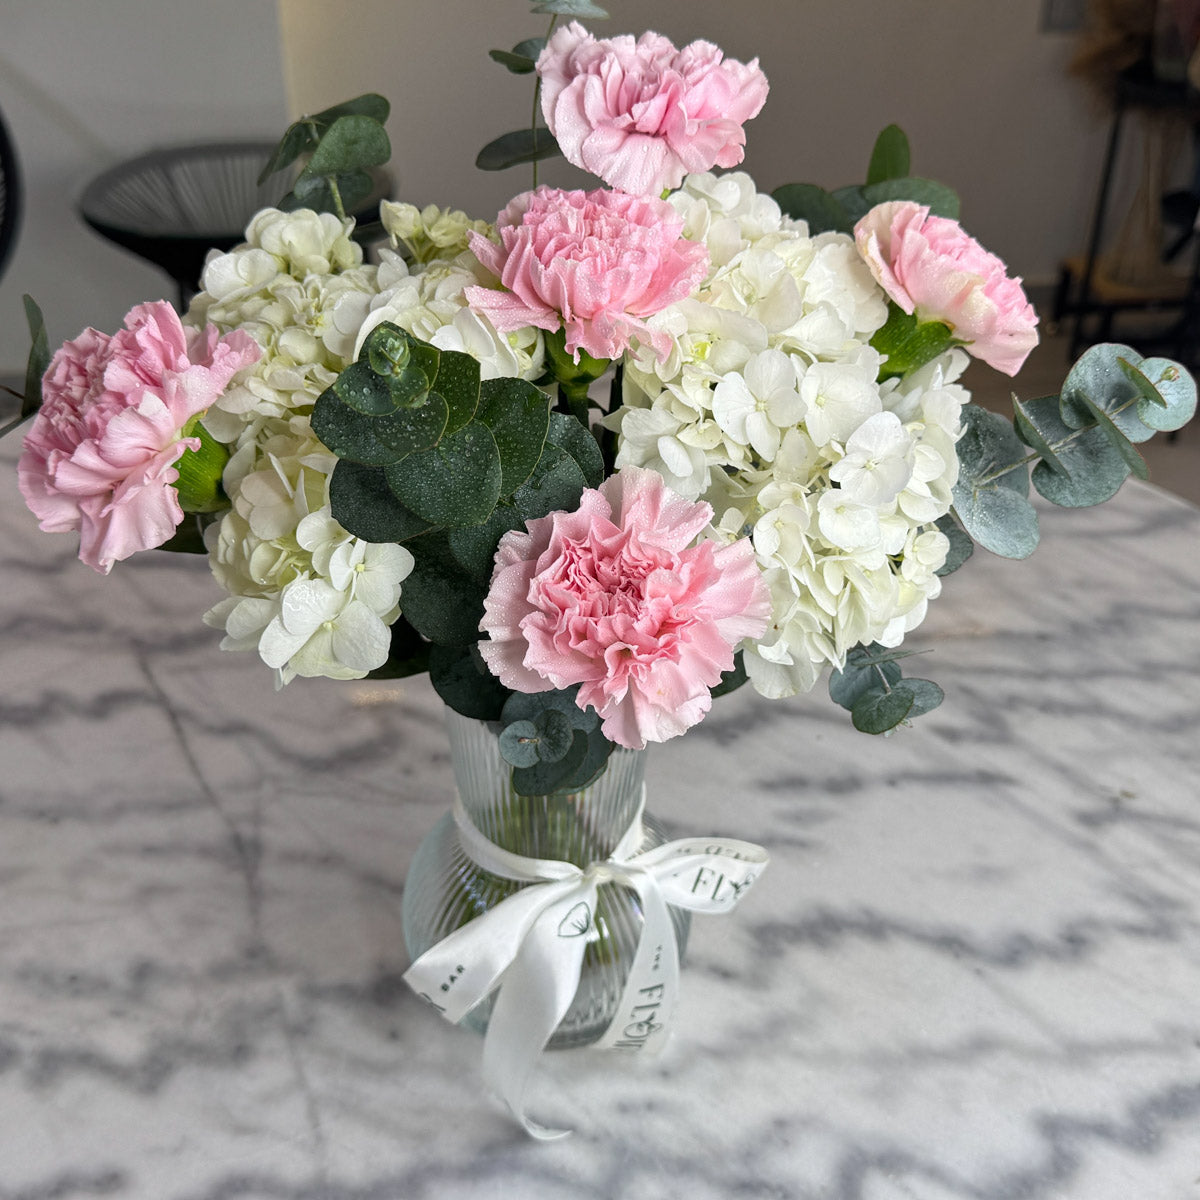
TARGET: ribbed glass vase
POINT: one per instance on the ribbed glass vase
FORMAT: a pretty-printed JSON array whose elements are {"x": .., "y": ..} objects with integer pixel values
[{"x": 445, "y": 889}]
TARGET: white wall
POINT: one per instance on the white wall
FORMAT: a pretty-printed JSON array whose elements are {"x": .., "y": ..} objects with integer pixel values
[
  {"x": 983, "y": 95},
  {"x": 85, "y": 85}
]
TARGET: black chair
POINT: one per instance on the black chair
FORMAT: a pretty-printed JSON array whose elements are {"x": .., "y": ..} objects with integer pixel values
[
  {"x": 174, "y": 205},
  {"x": 10, "y": 196}
]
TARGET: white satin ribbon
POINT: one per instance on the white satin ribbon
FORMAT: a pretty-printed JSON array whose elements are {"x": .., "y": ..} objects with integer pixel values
[{"x": 532, "y": 944}]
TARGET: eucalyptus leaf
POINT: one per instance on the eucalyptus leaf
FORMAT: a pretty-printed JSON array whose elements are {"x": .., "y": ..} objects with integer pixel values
[
  {"x": 880, "y": 711},
  {"x": 315, "y": 192},
  {"x": 1176, "y": 387},
  {"x": 352, "y": 143},
  {"x": 546, "y": 739},
  {"x": 457, "y": 382},
  {"x": 518, "y": 64},
  {"x": 864, "y": 672},
  {"x": 364, "y": 505},
  {"x": 569, "y": 434},
  {"x": 1039, "y": 425},
  {"x": 349, "y": 434},
  {"x": 1118, "y": 441},
  {"x": 463, "y": 681},
  {"x": 961, "y": 546},
  {"x": 411, "y": 429},
  {"x": 1101, "y": 372},
  {"x": 456, "y": 482},
  {"x": 732, "y": 679},
  {"x": 854, "y": 202},
  {"x": 890, "y": 158},
  {"x": 408, "y": 653},
  {"x": 440, "y": 602},
  {"x": 369, "y": 104},
  {"x": 556, "y": 484},
  {"x": 547, "y": 779},
  {"x": 474, "y": 546},
  {"x": 941, "y": 200},
  {"x": 1096, "y": 468},
  {"x": 359, "y": 387},
  {"x": 298, "y": 138},
  {"x": 988, "y": 444},
  {"x": 525, "y": 706},
  {"x": 579, "y": 9},
  {"x": 814, "y": 205},
  {"x": 926, "y": 695},
  {"x": 39, "y": 357},
  {"x": 519, "y": 417},
  {"x": 513, "y": 149},
  {"x": 999, "y": 518}
]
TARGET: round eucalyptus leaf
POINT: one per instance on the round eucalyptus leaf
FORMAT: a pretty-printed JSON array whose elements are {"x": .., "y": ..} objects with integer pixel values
[
  {"x": 519, "y": 744},
  {"x": 456, "y": 482},
  {"x": 879, "y": 711},
  {"x": 1174, "y": 385},
  {"x": 998, "y": 518},
  {"x": 1096, "y": 468}
]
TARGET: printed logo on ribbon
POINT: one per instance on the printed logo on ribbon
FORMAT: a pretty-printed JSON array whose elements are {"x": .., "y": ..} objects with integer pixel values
[{"x": 577, "y": 922}]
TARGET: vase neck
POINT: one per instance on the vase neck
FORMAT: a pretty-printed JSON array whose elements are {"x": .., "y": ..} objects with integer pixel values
[{"x": 578, "y": 827}]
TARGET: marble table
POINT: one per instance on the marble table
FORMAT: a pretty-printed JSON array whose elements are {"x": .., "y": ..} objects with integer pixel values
[{"x": 972, "y": 971}]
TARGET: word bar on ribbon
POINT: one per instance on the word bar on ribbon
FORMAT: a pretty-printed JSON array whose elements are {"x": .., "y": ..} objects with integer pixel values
[{"x": 531, "y": 945}]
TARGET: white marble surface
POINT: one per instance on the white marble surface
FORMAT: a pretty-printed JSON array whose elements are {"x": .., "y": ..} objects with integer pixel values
[{"x": 972, "y": 971}]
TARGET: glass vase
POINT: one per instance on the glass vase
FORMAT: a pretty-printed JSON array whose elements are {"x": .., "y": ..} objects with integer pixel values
[{"x": 445, "y": 889}]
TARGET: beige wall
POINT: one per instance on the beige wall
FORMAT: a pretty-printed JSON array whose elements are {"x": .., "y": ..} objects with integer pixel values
[
  {"x": 981, "y": 92},
  {"x": 85, "y": 84}
]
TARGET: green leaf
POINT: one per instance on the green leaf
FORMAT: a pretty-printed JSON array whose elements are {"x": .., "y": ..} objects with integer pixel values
[
  {"x": 910, "y": 343},
  {"x": 518, "y": 64},
  {"x": 941, "y": 200},
  {"x": 580, "y": 9},
  {"x": 199, "y": 483},
  {"x": 1039, "y": 425},
  {"x": 474, "y": 546},
  {"x": 525, "y": 706},
  {"x": 369, "y": 104},
  {"x": 351, "y": 143},
  {"x": 581, "y": 765},
  {"x": 925, "y": 693},
  {"x": 556, "y": 484},
  {"x": 315, "y": 192},
  {"x": 440, "y": 601},
  {"x": 547, "y": 739},
  {"x": 732, "y": 679},
  {"x": 992, "y": 506},
  {"x": 1096, "y": 468},
  {"x": 39, "y": 357},
  {"x": 879, "y": 711},
  {"x": 461, "y": 678},
  {"x": 1103, "y": 374},
  {"x": 359, "y": 387},
  {"x": 530, "y": 47},
  {"x": 298, "y": 138},
  {"x": 853, "y": 202},
  {"x": 456, "y": 482},
  {"x": 413, "y": 429},
  {"x": 1118, "y": 441},
  {"x": 188, "y": 537},
  {"x": 1175, "y": 387},
  {"x": 519, "y": 417},
  {"x": 364, "y": 505},
  {"x": 569, "y": 434},
  {"x": 807, "y": 202},
  {"x": 457, "y": 382},
  {"x": 520, "y": 146},
  {"x": 961, "y": 546},
  {"x": 861, "y": 674},
  {"x": 408, "y": 653},
  {"x": 349, "y": 434},
  {"x": 890, "y": 158}
]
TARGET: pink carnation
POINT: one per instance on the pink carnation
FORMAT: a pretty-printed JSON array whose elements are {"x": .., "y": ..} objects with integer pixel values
[
  {"x": 642, "y": 115},
  {"x": 100, "y": 455},
  {"x": 930, "y": 266},
  {"x": 596, "y": 263},
  {"x": 611, "y": 597}
]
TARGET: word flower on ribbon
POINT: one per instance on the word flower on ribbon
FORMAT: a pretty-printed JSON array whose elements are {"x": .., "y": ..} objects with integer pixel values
[{"x": 531, "y": 945}]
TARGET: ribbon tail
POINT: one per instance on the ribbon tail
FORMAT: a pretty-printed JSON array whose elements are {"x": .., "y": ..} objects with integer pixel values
[{"x": 535, "y": 993}]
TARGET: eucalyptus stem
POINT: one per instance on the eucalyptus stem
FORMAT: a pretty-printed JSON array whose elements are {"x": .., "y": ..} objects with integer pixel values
[
  {"x": 537, "y": 92},
  {"x": 1033, "y": 455},
  {"x": 337, "y": 196}
]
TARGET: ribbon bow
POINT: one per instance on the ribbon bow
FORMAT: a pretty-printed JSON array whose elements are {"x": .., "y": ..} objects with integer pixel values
[{"x": 532, "y": 945}]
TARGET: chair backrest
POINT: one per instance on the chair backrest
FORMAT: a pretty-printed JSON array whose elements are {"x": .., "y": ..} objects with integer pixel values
[{"x": 10, "y": 195}]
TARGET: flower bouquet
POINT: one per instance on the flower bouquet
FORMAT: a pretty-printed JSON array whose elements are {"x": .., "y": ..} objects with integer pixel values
[{"x": 590, "y": 467}]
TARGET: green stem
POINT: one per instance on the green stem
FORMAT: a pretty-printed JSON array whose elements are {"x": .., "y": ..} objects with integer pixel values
[
  {"x": 537, "y": 92},
  {"x": 573, "y": 398},
  {"x": 337, "y": 196}
]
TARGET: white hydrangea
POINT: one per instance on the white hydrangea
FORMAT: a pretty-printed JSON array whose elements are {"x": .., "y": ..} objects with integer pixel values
[
  {"x": 769, "y": 407},
  {"x": 304, "y": 593}
]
